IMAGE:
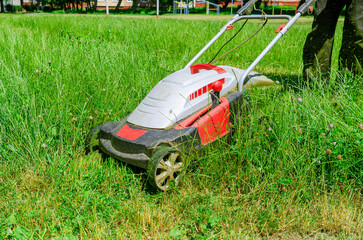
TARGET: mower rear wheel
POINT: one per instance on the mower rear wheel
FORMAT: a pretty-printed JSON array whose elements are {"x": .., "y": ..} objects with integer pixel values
[
  {"x": 92, "y": 140},
  {"x": 165, "y": 166}
]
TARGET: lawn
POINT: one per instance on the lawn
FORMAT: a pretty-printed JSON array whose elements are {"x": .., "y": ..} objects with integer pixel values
[{"x": 293, "y": 167}]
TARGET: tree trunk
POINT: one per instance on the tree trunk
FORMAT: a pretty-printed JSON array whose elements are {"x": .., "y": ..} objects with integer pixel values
[
  {"x": 87, "y": 7},
  {"x": 134, "y": 5},
  {"x": 95, "y": 5},
  {"x": 2, "y": 6},
  {"x": 118, "y": 5},
  {"x": 37, "y": 6}
]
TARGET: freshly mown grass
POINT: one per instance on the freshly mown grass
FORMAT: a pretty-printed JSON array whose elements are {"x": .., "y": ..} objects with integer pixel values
[{"x": 292, "y": 167}]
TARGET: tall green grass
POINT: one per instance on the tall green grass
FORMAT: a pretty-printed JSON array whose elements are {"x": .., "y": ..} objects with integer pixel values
[{"x": 283, "y": 172}]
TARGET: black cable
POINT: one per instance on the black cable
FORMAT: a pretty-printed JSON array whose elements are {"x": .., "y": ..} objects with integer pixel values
[
  {"x": 228, "y": 41},
  {"x": 214, "y": 60},
  {"x": 240, "y": 44}
]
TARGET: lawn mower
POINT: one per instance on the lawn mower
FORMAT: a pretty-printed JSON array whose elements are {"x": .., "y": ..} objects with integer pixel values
[{"x": 188, "y": 109}]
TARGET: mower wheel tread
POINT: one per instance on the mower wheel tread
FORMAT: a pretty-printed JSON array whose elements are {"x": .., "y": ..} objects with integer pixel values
[
  {"x": 165, "y": 166},
  {"x": 91, "y": 143}
]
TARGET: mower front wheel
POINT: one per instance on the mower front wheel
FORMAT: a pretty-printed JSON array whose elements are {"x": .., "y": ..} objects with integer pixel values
[
  {"x": 92, "y": 141},
  {"x": 165, "y": 167}
]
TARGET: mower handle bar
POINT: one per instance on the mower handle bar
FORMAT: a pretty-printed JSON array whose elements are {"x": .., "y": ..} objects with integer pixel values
[
  {"x": 302, "y": 9},
  {"x": 236, "y": 18},
  {"x": 247, "y": 8},
  {"x": 305, "y": 6}
]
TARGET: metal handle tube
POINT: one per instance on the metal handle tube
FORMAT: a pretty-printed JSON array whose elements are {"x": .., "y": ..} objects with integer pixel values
[
  {"x": 305, "y": 6},
  {"x": 266, "y": 50},
  {"x": 246, "y": 8},
  {"x": 288, "y": 17}
]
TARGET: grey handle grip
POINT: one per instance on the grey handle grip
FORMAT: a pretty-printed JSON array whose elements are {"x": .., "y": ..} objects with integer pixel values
[
  {"x": 305, "y": 6},
  {"x": 247, "y": 8}
]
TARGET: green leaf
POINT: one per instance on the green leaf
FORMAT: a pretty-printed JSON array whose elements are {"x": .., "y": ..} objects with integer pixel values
[
  {"x": 213, "y": 221},
  {"x": 21, "y": 233},
  {"x": 176, "y": 232},
  {"x": 11, "y": 220},
  {"x": 53, "y": 131}
]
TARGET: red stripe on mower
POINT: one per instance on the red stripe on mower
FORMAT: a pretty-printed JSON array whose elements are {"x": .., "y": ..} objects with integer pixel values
[
  {"x": 204, "y": 89},
  {"x": 130, "y": 133}
]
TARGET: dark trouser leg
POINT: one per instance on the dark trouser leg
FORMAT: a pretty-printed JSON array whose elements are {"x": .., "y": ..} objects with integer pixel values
[
  {"x": 319, "y": 43},
  {"x": 351, "y": 53}
]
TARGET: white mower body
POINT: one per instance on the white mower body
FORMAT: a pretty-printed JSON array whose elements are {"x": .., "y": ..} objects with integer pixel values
[{"x": 181, "y": 94}]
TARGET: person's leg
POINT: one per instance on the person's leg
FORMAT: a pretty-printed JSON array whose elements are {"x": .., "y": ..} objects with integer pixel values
[
  {"x": 351, "y": 53},
  {"x": 319, "y": 43}
]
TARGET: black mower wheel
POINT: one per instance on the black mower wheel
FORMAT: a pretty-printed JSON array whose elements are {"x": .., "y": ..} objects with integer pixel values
[
  {"x": 165, "y": 166},
  {"x": 92, "y": 140}
]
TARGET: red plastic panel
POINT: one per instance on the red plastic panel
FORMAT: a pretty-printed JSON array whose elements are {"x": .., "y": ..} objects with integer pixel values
[
  {"x": 215, "y": 123},
  {"x": 129, "y": 133},
  {"x": 212, "y": 125},
  {"x": 187, "y": 122},
  {"x": 195, "y": 68}
]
